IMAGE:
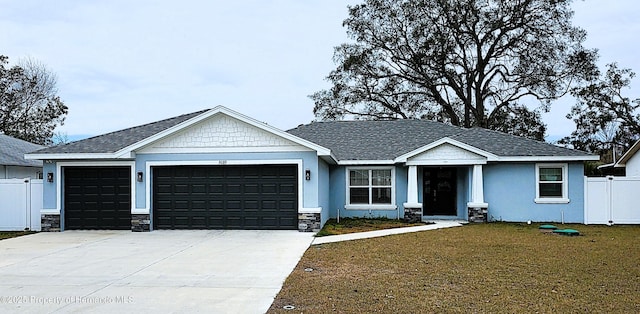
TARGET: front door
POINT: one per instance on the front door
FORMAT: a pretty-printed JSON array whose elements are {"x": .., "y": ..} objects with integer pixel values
[{"x": 439, "y": 194}]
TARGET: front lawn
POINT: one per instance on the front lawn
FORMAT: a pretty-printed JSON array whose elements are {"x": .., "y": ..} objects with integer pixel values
[
  {"x": 485, "y": 268},
  {"x": 351, "y": 225}
]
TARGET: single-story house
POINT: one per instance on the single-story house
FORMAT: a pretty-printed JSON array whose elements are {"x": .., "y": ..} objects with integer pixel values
[
  {"x": 218, "y": 168},
  {"x": 13, "y": 165}
]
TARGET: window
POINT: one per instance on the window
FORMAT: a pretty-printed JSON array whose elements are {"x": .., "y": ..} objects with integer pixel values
[
  {"x": 551, "y": 183},
  {"x": 370, "y": 188}
]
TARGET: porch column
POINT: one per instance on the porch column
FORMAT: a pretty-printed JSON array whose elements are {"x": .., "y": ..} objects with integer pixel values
[
  {"x": 477, "y": 207},
  {"x": 477, "y": 186},
  {"x": 412, "y": 208}
]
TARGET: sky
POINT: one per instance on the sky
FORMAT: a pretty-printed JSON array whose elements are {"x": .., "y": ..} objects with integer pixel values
[{"x": 124, "y": 63}]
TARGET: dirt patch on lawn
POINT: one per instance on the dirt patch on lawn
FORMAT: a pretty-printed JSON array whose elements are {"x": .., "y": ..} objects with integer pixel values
[
  {"x": 13, "y": 234},
  {"x": 353, "y": 225}
]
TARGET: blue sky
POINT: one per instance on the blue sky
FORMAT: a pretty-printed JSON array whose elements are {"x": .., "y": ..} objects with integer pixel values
[{"x": 125, "y": 63}]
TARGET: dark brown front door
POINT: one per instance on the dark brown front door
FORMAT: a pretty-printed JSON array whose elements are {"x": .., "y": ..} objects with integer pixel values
[{"x": 439, "y": 194}]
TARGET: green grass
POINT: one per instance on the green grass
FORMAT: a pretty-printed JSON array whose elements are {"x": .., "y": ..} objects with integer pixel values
[
  {"x": 478, "y": 268},
  {"x": 13, "y": 234},
  {"x": 351, "y": 225}
]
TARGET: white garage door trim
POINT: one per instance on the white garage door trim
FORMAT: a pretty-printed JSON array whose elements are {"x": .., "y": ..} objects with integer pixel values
[
  {"x": 149, "y": 164},
  {"x": 58, "y": 180}
]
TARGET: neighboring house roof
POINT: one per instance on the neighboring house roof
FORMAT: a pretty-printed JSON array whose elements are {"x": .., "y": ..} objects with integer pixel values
[
  {"x": 628, "y": 154},
  {"x": 388, "y": 140},
  {"x": 12, "y": 152}
]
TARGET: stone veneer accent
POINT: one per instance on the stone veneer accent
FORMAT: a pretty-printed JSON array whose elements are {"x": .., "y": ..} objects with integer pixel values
[
  {"x": 140, "y": 222},
  {"x": 309, "y": 222},
  {"x": 412, "y": 215},
  {"x": 477, "y": 214},
  {"x": 49, "y": 223}
]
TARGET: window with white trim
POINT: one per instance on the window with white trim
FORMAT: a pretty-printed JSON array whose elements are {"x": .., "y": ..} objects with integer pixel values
[
  {"x": 370, "y": 186},
  {"x": 551, "y": 183}
]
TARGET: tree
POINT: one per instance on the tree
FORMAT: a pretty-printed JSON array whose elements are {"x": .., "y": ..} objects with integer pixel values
[
  {"x": 60, "y": 138},
  {"x": 30, "y": 108},
  {"x": 466, "y": 62},
  {"x": 605, "y": 119}
]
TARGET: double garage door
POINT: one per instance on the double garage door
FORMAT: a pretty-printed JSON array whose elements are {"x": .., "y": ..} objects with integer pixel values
[{"x": 186, "y": 197}]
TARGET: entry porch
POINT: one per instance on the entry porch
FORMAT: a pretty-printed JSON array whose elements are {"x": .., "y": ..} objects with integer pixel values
[{"x": 445, "y": 192}]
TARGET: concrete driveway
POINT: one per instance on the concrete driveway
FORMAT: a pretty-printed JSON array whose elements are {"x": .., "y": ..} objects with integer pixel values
[{"x": 212, "y": 271}]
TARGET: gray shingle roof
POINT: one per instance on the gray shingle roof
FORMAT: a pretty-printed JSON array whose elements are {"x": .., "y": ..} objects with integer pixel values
[
  {"x": 348, "y": 140},
  {"x": 12, "y": 152},
  {"x": 115, "y": 141},
  {"x": 503, "y": 144},
  {"x": 373, "y": 140},
  {"x": 386, "y": 140}
]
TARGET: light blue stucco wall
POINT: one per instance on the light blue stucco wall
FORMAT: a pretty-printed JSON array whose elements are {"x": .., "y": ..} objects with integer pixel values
[
  {"x": 510, "y": 190},
  {"x": 338, "y": 194},
  {"x": 324, "y": 194},
  {"x": 402, "y": 173},
  {"x": 49, "y": 197},
  {"x": 338, "y": 190},
  {"x": 464, "y": 192},
  {"x": 310, "y": 189}
]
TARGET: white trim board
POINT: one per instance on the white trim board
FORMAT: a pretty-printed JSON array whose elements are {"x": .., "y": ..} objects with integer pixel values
[
  {"x": 58, "y": 179},
  {"x": 150, "y": 164}
]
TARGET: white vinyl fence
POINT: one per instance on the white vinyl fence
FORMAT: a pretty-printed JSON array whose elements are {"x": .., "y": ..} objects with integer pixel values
[
  {"x": 20, "y": 204},
  {"x": 612, "y": 200}
]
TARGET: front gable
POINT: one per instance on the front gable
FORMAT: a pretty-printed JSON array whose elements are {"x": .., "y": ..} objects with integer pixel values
[
  {"x": 446, "y": 154},
  {"x": 222, "y": 133},
  {"x": 446, "y": 151}
]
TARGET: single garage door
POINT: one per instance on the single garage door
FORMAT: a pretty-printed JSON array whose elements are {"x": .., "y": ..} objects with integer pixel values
[
  {"x": 97, "y": 198},
  {"x": 225, "y": 197}
]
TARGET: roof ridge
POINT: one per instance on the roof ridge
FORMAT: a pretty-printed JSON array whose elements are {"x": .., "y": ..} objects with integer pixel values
[{"x": 375, "y": 121}]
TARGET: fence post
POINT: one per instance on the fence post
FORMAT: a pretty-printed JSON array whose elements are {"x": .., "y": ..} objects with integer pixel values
[
  {"x": 27, "y": 209},
  {"x": 609, "y": 195}
]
